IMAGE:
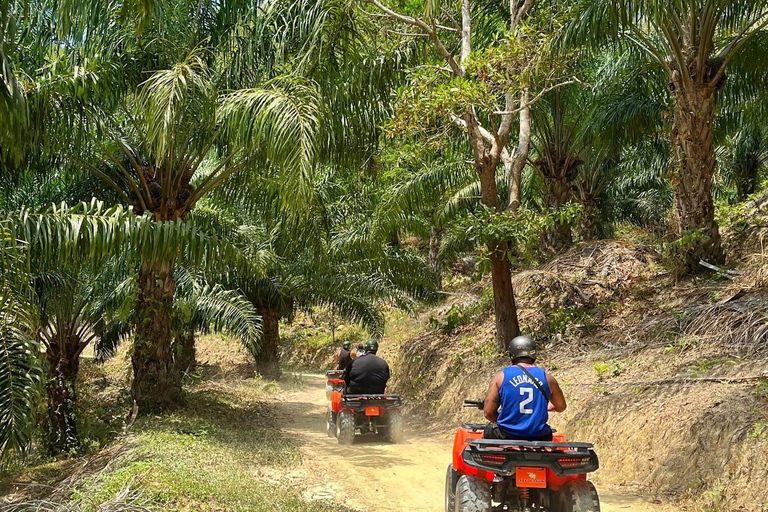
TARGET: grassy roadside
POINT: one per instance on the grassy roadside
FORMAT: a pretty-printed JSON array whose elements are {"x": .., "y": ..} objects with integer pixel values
[{"x": 208, "y": 456}]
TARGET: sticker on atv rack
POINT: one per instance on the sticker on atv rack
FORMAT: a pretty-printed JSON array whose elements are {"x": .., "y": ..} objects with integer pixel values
[{"x": 533, "y": 478}]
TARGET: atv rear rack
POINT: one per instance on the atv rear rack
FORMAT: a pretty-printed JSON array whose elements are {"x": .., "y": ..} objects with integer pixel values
[
  {"x": 502, "y": 457},
  {"x": 354, "y": 402}
]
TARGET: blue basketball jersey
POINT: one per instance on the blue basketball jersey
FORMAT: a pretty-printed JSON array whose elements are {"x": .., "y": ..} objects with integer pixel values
[{"x": 523, "y": 407}]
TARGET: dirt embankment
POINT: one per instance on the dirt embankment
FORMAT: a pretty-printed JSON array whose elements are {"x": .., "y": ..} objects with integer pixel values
[{"x": 668, "y": 379}]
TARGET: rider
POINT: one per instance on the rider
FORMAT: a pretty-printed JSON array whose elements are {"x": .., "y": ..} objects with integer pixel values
[
  {"x": 368, "y": 373},
  {"x": 344, "y": 356},
  {"x": 521, "y": 396}
]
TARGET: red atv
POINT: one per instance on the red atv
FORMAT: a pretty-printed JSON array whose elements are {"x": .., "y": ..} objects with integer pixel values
[
  {"x": 519, "y": 476},
  {"x": 377, "y": 414}
]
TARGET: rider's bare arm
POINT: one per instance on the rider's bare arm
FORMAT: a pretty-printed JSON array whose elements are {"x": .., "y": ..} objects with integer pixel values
[
  {"x": 557, "y": 404},
  {"x": 492, "y": 401}
]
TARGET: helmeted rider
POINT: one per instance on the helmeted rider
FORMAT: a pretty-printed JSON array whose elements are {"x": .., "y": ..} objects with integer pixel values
[
  {"x": 368, "y": 373},
  {"x": 521, "y": 396},
  {"x": 344, "y": 356}
]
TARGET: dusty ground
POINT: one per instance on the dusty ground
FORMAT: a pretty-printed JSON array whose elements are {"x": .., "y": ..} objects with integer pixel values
[{"x": 382, "y": 477}]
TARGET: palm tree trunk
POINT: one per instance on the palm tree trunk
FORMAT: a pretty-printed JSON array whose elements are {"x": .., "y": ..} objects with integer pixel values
[
  {"x": 64, "y": 360},
  {"x": 184, "y": 352},
  {"x": 156, "y": 383},
  {"x": 268, "y": 357},
  {"x": 746, "y": 180},
  {"x": 557, "y": 194},
  {"x": 587, "y": 219},
  {"x": 693, "y": 135},
  {"x": 435, "y": 239}
]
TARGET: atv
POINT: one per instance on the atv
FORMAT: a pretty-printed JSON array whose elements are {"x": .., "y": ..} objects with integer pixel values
[
  {"x": 489, "y": 475},
  {"x": 348, "y": 414}
]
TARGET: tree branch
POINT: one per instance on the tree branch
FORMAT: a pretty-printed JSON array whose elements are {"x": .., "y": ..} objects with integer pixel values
[
  {"x": 538, "y": 97},
  {"x": 431, "y": 31}
]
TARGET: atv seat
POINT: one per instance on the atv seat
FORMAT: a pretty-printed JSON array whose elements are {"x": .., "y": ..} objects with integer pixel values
[
  {"x": 360, "y": 401},
  {"x": 531, "y": 445},
  {"x": 474, "y": 427}
]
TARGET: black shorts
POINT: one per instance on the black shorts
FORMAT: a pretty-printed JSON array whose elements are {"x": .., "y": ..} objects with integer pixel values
[{"x": 493, "y": 431}]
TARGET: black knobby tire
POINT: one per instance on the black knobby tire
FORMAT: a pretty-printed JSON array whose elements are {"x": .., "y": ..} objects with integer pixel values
[
  {"x": 345, "y": 423},
  {"x": 473, "y": 494},
  {"x": 331, "y": 418},
  {"x": 395, "y": 426},
  {"x": 578, "y": 496},
  {"x": 451, "y": 478}
]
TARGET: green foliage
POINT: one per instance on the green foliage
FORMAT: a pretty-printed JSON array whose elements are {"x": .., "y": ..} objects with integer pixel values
[
  {"x": 605, "y": 369},
  {"x": 20, "y": 373},
  {"x": 522, "y": 228}
]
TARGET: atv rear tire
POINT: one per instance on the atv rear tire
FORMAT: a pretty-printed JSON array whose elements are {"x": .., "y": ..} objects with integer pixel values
[
  {"x": 345, "y": 431},
  {"x": 473, "y": 494},
  {"x": 451, "y": 478},
  {"x": 331, "y": 418},
  {"x": 395, "y": 426},
  {"x": 578, "y": 496}
]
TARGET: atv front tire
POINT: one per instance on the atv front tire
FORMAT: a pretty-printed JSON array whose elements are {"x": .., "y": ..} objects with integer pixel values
[
  {"x": 331, "y": 417},
  {"x": 395, "y": 426},
  {"x": 345, "y": 431},
  {"x": 473, "y": 494},
  {"x": 578, "y": 496},
  {"x": 451, "y": 478}
]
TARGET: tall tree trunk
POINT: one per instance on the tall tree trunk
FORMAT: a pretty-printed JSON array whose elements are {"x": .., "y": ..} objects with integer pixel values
[
  {"x": 268, "y": 358},
  {"x": 184, "y": 352},
  {"x": 435, "y": 239},
  {"x": 64, "y": 360},
  {"x": 693, "y": 138},
  {"x": 156, "y": 382},
  {"x": 507, "y": 325},
  {"x": 514, "y": 165},
  {"x": 505, "y": 308}
]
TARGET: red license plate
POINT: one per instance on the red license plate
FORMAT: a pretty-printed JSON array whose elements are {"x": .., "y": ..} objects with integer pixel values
[
  {"x": 372, "y": 410},
  {"x": 533, "y": 478}
]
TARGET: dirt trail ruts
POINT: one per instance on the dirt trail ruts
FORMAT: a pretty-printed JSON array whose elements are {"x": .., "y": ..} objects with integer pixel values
[{"x": 377, "y": 476}]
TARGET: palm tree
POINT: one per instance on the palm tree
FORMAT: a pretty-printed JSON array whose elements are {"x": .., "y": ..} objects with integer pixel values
[
  {"x": 332, "y": 257},
  {"x": 163, "y": 167},
  {"x": 20, "y": 373},
  {"x": 744, "y": 157},
  {"x": 558, "y": 144},
  {"x": 695, "y": 42}
]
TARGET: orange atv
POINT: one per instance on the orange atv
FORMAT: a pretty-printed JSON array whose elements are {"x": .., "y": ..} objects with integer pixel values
[
  {"x": 348, "y": 414},
  {"x": 489, "y": 475}
]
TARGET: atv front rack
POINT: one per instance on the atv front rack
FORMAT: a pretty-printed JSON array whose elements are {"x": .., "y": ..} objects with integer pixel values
[
  {"x": 502, "y": 457},
  {"x": 355, "y": 402}
]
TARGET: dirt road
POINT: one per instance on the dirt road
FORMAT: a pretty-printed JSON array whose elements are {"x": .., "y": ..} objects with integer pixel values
[{"x": 380, "y": 477}]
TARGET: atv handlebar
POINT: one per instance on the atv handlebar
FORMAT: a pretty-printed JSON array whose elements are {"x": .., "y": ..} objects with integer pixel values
[{"x": 474, "y": 404}]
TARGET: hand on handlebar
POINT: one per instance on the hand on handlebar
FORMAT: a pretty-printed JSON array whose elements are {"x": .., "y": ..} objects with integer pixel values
[{"x": 474, "y": 404}]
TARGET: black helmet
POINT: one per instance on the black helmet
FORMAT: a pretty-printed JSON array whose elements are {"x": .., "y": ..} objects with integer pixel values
[
  {"x": 522, "y": 346},
  {"x": 346, "y": 344},
  {"x": 371, "y": 346}
]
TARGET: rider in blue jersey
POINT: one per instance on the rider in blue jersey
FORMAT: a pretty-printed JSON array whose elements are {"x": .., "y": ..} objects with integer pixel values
[{"x": 521, "y": 396}]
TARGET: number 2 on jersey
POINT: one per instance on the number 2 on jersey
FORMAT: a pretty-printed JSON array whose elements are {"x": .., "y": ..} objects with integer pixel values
[{"x": 529, "y": 393}]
